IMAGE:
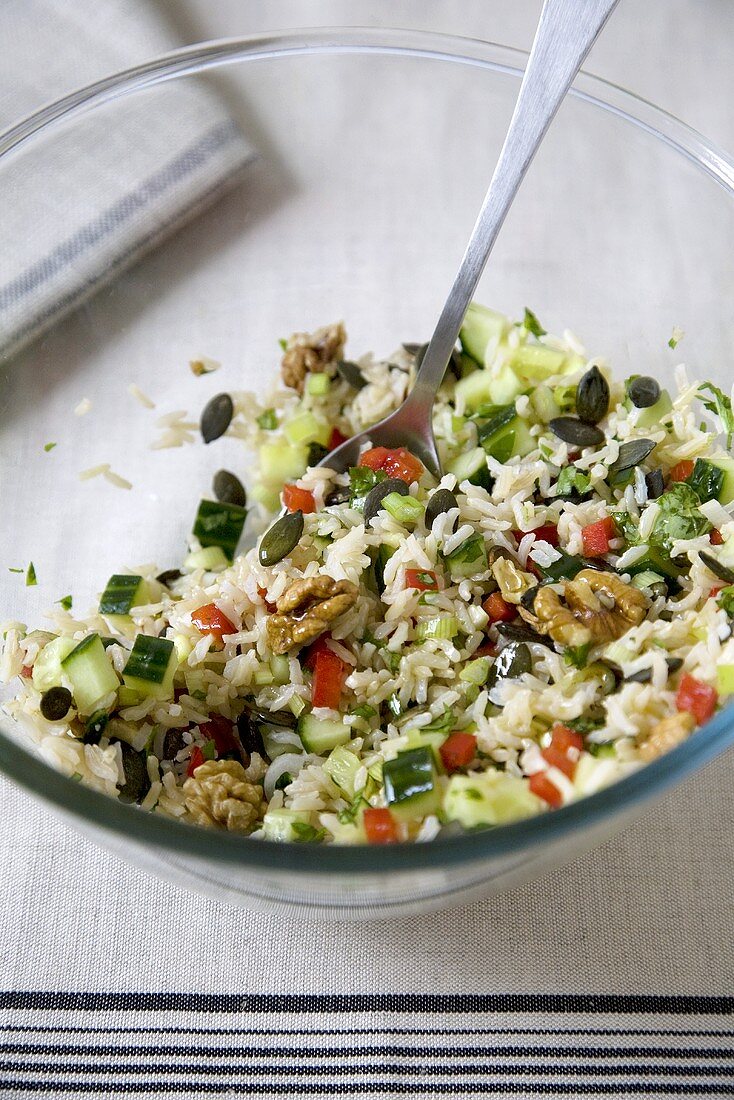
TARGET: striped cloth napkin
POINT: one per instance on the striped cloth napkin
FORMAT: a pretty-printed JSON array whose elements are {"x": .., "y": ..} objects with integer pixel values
[{"x": 80, "y": 208}]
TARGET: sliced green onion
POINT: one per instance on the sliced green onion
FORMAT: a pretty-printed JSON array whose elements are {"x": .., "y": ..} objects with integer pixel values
[
  {"x": 646, "y": 579},
  {"x": 444, "y": 626},
  {"x": 406, "y": 510},
  {"x": 296, "y": 705},
  {"x": 268, "y": 420},
  {"x": 318, "y": 384},
  {"x": 364, "y": 711}
]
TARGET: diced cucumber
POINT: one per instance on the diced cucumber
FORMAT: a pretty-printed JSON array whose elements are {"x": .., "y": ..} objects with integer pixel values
[
  {"x": 468, "y": 558},
  {"x": 318, "y": 384},
  {"x": 278, "y": 824},
  {"x": 47, "y": 671},
  {"x": 411, "y": 784},
  {"x": 126, "y": 697},
  {"x": 405, "y": 509},
  {"x": 343, "y": 765},
  {"x": 90, "y": 673},
  {"x": 726, "y": 465},
  {"x": 219, "y": 524},
  {"x": 471, "y": 466},
  {"x": 725, "y": 679},
  {"x": 655, "y": 561},
  {"x": 123, "y": 592},
  {"x": 535, "y": 361},
  {"x": 426, "y": 739},
  {"x": 211, "y": 558},
  {"x": 281, "y": 462},
  {"x": 497, "y": 386},
  {"x": 151, "y": 667},
  {"x": 490, "y": 798},
  {"x": 544, "y": 404},
  {"x": 266, "y": 495},
  {"x": 512, "y": 439},
  {"x": 320, "y": 735},
  {"x": 305, "y": 428},
  {"x": 281, "y": 669},
  {"x": 481, "y": 331},
  {"x": 476, "y": 671},
  {"x": 651, "y": 416}
]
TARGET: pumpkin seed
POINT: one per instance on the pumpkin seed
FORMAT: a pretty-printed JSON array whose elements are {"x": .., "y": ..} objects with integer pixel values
[
  {"x": 520, "y": 632},
  {"x": 249, "y": 734},
  {"x": 351, "y": 374},
  {"x": 655, "y": 483},
  {"x": 137, "y": 781},
  {"x": 316, "y": 451},
  {"x": 716, "y": 567},
  {"x": 280, "y": 539},
  {"x": 373, "y": 500},
  {"x": 216, "y": 417},
  {"x": 419, "y": 350},
  {"x": 658, "y": 589},
  {"x": 55, "y": 703},
  {"x": 341, "y": 494},
  {"x": 644, "y": 676},
  {"x": 576, "y": 432},
  {"x": 173, "y": 742},
  {"x": 592, "y": 396},
  {"x": 443, "y": 500},
  {"x": 528, "y": 597},
  {"x": 168, "y": 577},
  {"x": 514, "y": 660},
  {"x": 229, "y": 489},
  {"x": 631, "y": 454},
  {"x": 95, "y": 726},
  {"x": 643, "y": 392}
]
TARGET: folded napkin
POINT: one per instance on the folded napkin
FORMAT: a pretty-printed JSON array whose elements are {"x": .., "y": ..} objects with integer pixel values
[{"x": 81, "y": 207}]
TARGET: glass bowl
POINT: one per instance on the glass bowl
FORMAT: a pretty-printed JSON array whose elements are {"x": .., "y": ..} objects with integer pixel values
[{"x": 375, "y": 149}]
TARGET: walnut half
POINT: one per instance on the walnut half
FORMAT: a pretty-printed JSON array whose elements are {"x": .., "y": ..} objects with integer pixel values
[
  {"x": 311, "y": 352},
  {"x": 579, "y": 616},
  {"x": 219, "y": 794},
  {"x": 306, "y": 609},
  {"x": 668, "y": 733}
]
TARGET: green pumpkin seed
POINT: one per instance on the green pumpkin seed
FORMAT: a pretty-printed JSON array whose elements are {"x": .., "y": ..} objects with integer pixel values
[
  {"x": 644, "y": 676},
  {"x": 351, "y": 374},
  {"x": 592, "y": 396},
  {"x": 55, "y": 703},
  {"x": 715, "y": 566},
  {"x": 521, "y": 632},
  {"x": 216, "y": 417},
  {"x": 137, "y": 781},
  {"x": 373, "y": 500},
  {"x": 95, "y": 726},
  {"x": 514, "y": 660},
  {"x": 631, "y": 454},
  {"x": 443, "y": 500},
  {"x": 341, "y": 494},
  {"x": 655, "y": 483},
  {"x": 643, "y": 392},
  {"x": 280, "y": 539},
  {"x": 173, "y": 742},
  {"x": 528, "y": 597},
  {"x": 576, "y": 432},
  {"x": 316, "y": 451},
  {"x": 229, "y": 489},
  {"x": 168, "y": 577}
]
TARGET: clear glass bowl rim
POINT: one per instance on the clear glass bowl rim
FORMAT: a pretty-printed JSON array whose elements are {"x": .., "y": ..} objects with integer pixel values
[{"x": 180, "y": 839}]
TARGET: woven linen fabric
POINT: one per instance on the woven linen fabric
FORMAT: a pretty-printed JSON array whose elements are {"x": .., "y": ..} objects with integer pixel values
[
  {"x": 74, "y": 218},
  {"x": 610, "y": 977}
]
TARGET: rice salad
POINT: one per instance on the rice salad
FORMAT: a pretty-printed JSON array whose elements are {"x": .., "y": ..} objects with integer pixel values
[{"x": 394, "y": 657}]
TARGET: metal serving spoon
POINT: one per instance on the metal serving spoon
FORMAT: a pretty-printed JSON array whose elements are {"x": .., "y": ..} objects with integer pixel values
[{"x": 566, "y": 32}]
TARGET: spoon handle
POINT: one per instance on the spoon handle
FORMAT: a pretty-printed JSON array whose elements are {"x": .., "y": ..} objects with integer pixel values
[{"x": 566, "y": 32}]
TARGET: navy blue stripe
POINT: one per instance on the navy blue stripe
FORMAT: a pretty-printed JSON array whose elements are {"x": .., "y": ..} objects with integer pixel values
[
  {"x": 271, "y": 1003},
  {"x": 360, "y": 1088},
  {"x": 343, "y": 1031}
]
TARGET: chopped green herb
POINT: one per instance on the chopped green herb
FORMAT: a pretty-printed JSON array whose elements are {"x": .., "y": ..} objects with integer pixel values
[
  {"x": 394, "y": 705},
  {"x": 577, "y": 655},
  {"x": 675, "y": 337},
  {"x": 209, "y": 750},
  {"x": 283, "y": 343},
  {"x": 706, "y": 480},
  {"x": 14, "y": 569},
  {"x": 307, "y": 834},
  {"x": 571, "y": 480},
  {"x": 532, "y": 324},
  {"x": 428, "y": 580},
  {"x": 602, "y": 750},
  {"x": 66, "y": 602},
  {"x": 364, "y": 711},
  {"x": 346, "y": 817},
  {"x": 726, "y": 599},
  {"x": 268, "y": 420},
  {"x": 362, "y": 479},
  {"x": 198, "y": 694},
  {"x": 48, "y": 447},
  {"x": 720, "y": 405},
  {"x": 30, "y": 577},
  {"x": 443, "y": 724}
]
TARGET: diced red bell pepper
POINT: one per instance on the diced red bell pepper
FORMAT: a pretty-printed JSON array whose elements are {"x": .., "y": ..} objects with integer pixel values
[
  {"x": 336, "y": 438},
  {"x": 713, "y": 592},
  {"x": 716, "y": 538},
  {"x": 458, "y": 750},
  {"x": 396, "y": 463},
  {"x": 597, "y": 537},
  {"x": 563, "y": 751},
  {"x": 547, "y": 532},
  {"x": 380, "y": 826},
  {"x": 681, "y": 471},
  {"x": 298, "y": 500},
  {"x": 329, "y": 674},
  {"x": 262, "y": 593},
  {"x": 499, "y": 610},
  {"x": 26, "y": 672},
  {"x": 220, "y": 730},
  {"x": 310, "y": 654},
  {"x": 542, "y": 786},
  {"x": 195, "y": 760},
  {"x": 210, "y": 620},
  {"x": 697, "y": 698},
  {"x": 425, "y": 580}
]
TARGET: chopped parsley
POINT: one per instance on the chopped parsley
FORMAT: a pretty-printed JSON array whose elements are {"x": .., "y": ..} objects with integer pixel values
[
  {"x": 283, "y": 343},
  {"x": 363, "y": 711},
  {"x": 577, "y": 655},
  {"x": 720, "y": 405},
  {"x": 48, "y": 447},
  {"x": 14, "y": 569},
  {"x": 30, "y": 577},
  {"x": 362, "y": 479},
  {"x": 726, "y": 600},
  {"x": 346, "y": 817},
  {"x": 532, "y": 324},
  {"x": 66, "y": 602},
  {"x": 268, "y": 420},
  {"x": 307, "y": 834},
  {"x": 209, "y": 750}
]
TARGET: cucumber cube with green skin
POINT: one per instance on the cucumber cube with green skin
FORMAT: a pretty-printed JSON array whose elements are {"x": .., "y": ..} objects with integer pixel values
[
  {"x": 490, "y": 798},
  {"x": 47, "y": 671},
  {"x": 725, "y": 679},
  {"x": 411, "y": 784},
  {"x": 468, "y": 558},
  {"x": 211, "y": 558},
  {"x": 471, "y": 466},
  {"x": 282, "y": 462},
  {"x": 278, "y": 824},
  {"x": 320, "y": 735},
  {"x": 90, "y": 673},
  {"x": 343, "y": 765},
  {"x": 123, "y": 592},
  {"x": 482, "y": 329},
  {"x": 726, "y": 491},
  {"x": 151, "y": 667},
  {"x": 220, "y": 525}
]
